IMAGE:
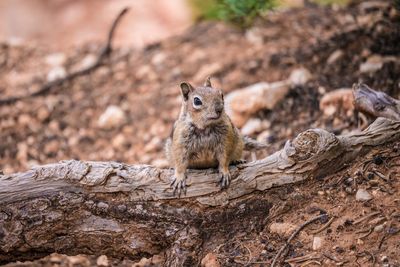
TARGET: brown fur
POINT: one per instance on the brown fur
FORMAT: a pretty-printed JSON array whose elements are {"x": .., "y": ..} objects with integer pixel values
[{"x": 203, "y": 136}]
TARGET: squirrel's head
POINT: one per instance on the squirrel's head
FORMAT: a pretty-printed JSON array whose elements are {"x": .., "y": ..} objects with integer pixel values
[{"x": 203, "y": 105}]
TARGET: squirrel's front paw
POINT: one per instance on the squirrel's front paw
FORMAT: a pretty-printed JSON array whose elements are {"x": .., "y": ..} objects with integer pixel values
[
  {"x": 225, "y": 180},
  {"x": 179, "y": 184}
]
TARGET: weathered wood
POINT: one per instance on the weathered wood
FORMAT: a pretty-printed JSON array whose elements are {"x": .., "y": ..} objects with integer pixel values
[
  {"x": 374, "y": 103},
  {"x": 129, "y": 211}
]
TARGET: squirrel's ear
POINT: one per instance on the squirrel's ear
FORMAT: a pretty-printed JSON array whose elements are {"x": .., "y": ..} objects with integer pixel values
[
  {"x": 207, "y": 83},
  {"x": 186, "y": 88}
]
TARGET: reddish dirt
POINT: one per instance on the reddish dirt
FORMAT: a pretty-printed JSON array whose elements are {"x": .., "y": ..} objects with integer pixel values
[
  {"x": 63, "y": 123},
  {"x": 64, "y": 23}
]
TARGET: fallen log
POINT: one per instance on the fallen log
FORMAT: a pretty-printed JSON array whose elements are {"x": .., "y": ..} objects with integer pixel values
[
  {"x": 374, "y": 103},
  {"x": 128, "y": 211}
]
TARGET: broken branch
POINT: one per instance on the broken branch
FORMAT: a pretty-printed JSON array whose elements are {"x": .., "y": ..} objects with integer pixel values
[
  {"x": 129, "y": 210},
  {"x": 294, "y": 234},
  {"x": 375, "y": 104}
]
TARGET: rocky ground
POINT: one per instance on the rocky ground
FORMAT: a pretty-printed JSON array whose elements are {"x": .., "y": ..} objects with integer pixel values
[{"x": 124, "y": 110}]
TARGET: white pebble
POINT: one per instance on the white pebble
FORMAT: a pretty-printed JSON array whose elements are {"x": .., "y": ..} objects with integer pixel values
[
  {"x": 113, "y": 117},
  {"x": 56, "y": 73},
  {"x": 363, "y": 195}
]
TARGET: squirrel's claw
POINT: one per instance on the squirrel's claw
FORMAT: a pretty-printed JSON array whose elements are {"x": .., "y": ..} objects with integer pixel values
[
  {"x": 225, "y": 180},
  {"x": 179, "y": 186}
]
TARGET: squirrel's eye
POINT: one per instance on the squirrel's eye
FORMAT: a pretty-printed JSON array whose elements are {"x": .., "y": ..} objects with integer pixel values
[{"x": 197, "y": 101}]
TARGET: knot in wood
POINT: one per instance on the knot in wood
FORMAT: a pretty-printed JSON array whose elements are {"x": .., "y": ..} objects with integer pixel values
[{"x": 312, "y": 142}]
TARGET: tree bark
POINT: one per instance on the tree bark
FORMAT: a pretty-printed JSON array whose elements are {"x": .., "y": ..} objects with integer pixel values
[
  {"x": 374, "y": 103},
  {"x": 120, "y": 210}
]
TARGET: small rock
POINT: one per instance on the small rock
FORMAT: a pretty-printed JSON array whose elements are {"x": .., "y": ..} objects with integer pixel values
[
  {"x": 43, "y": 113},
  {"x": 175, "y": 72},
  {"x": 241, "y": 104},
  {"x": 158, "y": 58},
  {"x": 349, "y": 181},
  {"x": 56, "y": 73},
  {"x": 335, "y": 56},
  {"x": 102, "y": 261},
  {"x": 370, "y": 5},
  {"x": 78, "y": 260},
  {"x": 119, "y": 141},
  {"x": 32, "y": 164},
  {"x": 379, "y": 228},
  {"x": 15, "y": 41},
  {"x": 321, "y": 90},
  {"x": 349, "y": 190},
  {"x": 55, "y": 258},
  {"x": 373, "y": 64},
  {"x": 329, "y": 110},
  {"x": 253, "y": 126},
  {"x": 299, "y": 76},
  {"x": 317, "y": 243},
  {"x": 146, "y": 72},
  {"x": 254, "y": 36},
  {"x": 56, "y": 59},
  {"x": 210, "y": 260},
  {"x": 363, "y": 195},
  {"x": 87, "y": 61},
  {"x": 264, "y": 136},
  {"x": 285, "y": 229},
  {"x": 142, "y": 263},
  {"x": 113, "y": 117},
  {"x": 157, "y": 260},
  {"x": 341, "y": 98}
]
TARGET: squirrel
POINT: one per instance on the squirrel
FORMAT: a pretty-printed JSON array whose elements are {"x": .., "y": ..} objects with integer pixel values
[{"x": 204, "y": 136}]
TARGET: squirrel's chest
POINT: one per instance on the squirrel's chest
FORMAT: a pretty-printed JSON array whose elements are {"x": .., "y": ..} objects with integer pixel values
[
  {"x": 204, "y": 142},
  {"x": 203, "y": 150}
]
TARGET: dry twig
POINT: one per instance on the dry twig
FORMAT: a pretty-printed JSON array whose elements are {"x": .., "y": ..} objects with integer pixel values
[
  {"x": 333, "y": 258},
  {"x": 293, "y": 236},
  {"x": 310, "y": 262},
  {"x": 323, "y": 227},
  {"x": 103, "y": 55},
  {"x": 369, "y": 216},
  {"x": 308, "y": 257},
  {"x": 367, "y": 233}
]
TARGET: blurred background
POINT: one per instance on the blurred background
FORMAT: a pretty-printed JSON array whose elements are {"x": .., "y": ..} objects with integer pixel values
[
  {"x": 124, "y": 109},
  {"x": 62, "y": 23},
  {"x": 284, "y": 66}
]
